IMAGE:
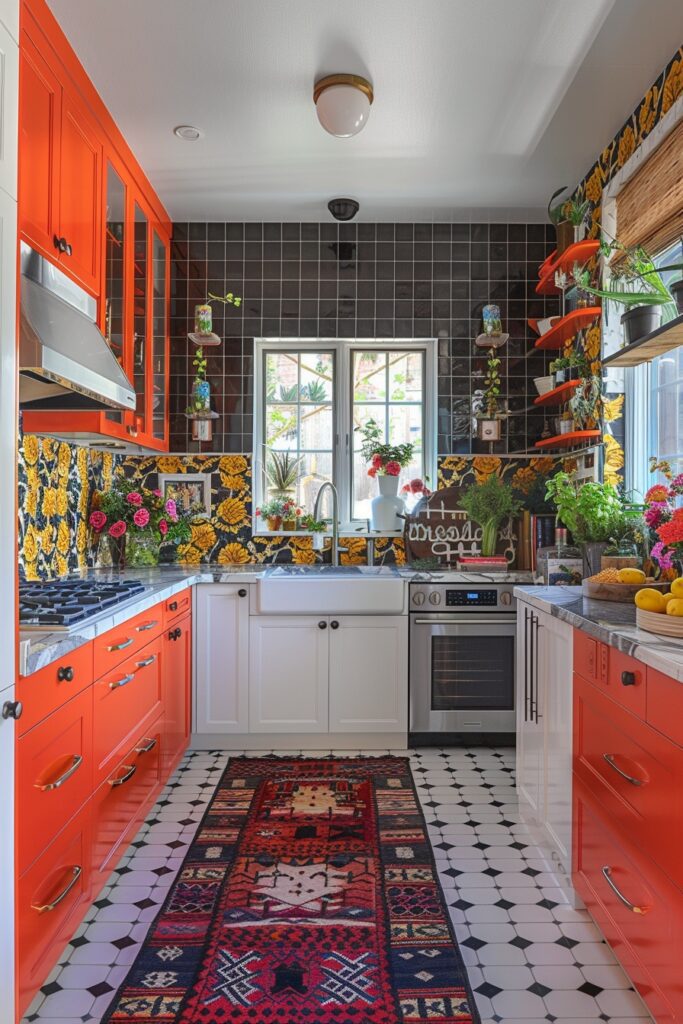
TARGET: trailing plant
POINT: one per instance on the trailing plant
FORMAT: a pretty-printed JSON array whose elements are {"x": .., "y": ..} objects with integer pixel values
[
  {"x": 575, "y": 360},
  {"x": 282, "y": 470},
  {"x": 492, "y": 386},
  {"x": 489, "y": 504},
  {"x": 635, "y": 281},
  {"x": 198, "y": 401},
  {"x": 593, "y": 512},
  {"x": 384, "y": 459},
  {"x": 228, "y": 299},
  {"x": 585, "y": 404}
]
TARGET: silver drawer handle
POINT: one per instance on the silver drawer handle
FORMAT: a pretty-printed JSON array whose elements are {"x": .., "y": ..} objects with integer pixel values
[
  {"x": 150, "y": 745},
  {"x": 130, "y": 772},
  {"x": 607, "y": 873},
  {"x": 122, "y": 682},
  {"x": 76, "y": 763},
  {"x": 44, "y": 908},
  {"x": 122, "y": 646},
  {"x": 146, "y": 626},
  {"x": 629, "y": 778},
  {"x": 146, "y": 662}
]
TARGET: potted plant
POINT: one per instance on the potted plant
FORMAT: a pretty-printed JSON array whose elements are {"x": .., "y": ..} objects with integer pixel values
[
  {"x": 566, "y": 368},
  {"x": 489, "y": 504},
  {"x": 282, "y": 473},
  {"x": 386, "y": 462},
  {"x": 317, "y": 527},
  {"x": 272, "y": 512},
  {"x": 290, "y": 514},
  {"x": 575, "y": 212},
  {"x": 593, "y": 512},
  {"x": 203, "y": 314},
  {"x": 585, "y": 405},
  {"x": 564, "y": 229},
  {"x": 488, "y": 415},
  {"x": 566, "y": 422},
  {"x": 135, "y": 521}
]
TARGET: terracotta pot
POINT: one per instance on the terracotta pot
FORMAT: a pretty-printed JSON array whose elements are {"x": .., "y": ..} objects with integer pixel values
[
  {"x": 565, "y": 235},
  {"x": 289, "y": 524},
  {"x": 274, "y": 522}
]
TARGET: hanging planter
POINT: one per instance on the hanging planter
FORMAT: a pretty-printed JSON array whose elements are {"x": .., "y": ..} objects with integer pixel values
[{"x": 203, "y": 334}]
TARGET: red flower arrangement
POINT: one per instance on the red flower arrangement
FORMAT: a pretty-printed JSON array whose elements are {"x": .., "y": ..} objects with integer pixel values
[
  {"x": 127, "y": 508},
  {"x": 663, "y": 516},
  {"x": 416, "y": 486},
  {"x": 384, "y": 459}
]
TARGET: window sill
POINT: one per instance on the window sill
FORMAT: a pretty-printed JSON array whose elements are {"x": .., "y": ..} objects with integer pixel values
[{"x": 346, "y": 531}]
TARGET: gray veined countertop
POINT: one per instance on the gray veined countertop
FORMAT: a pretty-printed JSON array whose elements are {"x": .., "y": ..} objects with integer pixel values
[{"x": 610, "y": 622}]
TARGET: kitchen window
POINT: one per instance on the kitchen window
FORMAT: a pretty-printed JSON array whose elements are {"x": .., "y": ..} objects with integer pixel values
[{"x": 310, "y": 398}]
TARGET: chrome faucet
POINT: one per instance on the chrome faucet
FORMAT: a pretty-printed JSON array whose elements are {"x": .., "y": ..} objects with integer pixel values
[{"x": 335, "y": 549}]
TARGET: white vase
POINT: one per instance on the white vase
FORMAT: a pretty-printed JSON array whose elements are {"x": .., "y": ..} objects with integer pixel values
[{"x": 385, "y": 508}]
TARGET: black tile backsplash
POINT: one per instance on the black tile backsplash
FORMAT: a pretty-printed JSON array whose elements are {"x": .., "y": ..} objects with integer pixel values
[{"x": 360, "y": 281}]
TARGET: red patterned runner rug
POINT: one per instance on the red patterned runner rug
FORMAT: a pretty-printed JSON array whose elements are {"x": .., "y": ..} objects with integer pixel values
[{"x": 309, "y": 896}]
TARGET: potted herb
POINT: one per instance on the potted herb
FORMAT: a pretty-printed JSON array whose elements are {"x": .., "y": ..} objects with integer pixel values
[
  {"x": 593, "y": 512},
  {"x": 566, "y": 368},
  {"x": 282, "y": 473},
  {"x": 317, "y": 527},
  {"x": 488, "y": 505},
  {"x": 272, "y": 512},
  {"x": 564, "y": 229},
  {"x": 489, "y": 417}
]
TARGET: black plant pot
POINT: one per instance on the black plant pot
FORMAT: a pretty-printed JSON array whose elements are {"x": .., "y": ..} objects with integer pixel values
[
  {"x": 677, "y": 292},
  {"x": 640, "y": 321},
  {"x": 572, "y": 373}
]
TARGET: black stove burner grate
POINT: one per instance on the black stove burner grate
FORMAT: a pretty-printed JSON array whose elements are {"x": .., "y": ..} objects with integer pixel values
[{"x": 65, "y": 602}]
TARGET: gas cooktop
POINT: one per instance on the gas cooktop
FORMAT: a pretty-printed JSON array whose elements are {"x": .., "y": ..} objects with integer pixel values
[{"x": 61, "y": 604}]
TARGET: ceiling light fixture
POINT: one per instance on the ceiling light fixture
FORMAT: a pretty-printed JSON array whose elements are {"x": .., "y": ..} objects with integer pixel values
[
  {"x": 342, "y": 103},
  {"x": 343, "y": 209},
  {"x": 187, "y": 132}
]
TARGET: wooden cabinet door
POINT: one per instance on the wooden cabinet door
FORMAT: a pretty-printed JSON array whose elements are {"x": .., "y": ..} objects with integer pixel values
[
  {"x": 80, "y": 194},
  {"x": 557, "y": 642},
  {"x": 369, "y": 673},
  {"x": 40, "y": 112},
  {"x": 176, "y": 673},
  {"x": 288, "y": 674},
  {"x": 221, "y": 659},
  {"x": 529, "y": 772}
]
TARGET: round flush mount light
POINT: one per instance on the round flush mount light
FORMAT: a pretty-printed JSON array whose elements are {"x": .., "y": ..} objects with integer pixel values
[
  {"x": 187, "y": 132},
  {"x": 343, "y": 103}
]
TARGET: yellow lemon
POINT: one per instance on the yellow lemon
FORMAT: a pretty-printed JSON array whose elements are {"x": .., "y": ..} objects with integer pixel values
[
  {"x": 650, "y": 600},
  {"x": 675, "y": 607},
  {"x": 631, "y": 576},
  {"x": 677, "y": 587}
]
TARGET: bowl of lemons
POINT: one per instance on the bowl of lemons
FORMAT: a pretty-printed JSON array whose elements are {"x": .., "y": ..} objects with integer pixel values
[
  {"x": 659, "y": 612},
  {"x": 619, "y": 585}
]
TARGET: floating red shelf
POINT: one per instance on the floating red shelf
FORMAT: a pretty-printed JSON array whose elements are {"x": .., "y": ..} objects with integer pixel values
[
  {"x": 566, "y": 328},
  {"x": 558, "y": 395},
  {"x": 567, "y": 440},
  {"x": 579, "y": 252}
]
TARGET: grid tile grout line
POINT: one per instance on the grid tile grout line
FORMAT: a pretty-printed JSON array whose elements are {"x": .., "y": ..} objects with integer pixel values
[{"x": 529, "y": 954}]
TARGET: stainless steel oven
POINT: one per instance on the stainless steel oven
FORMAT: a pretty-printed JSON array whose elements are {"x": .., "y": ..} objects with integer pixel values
[{"x": 462, "y": 660}]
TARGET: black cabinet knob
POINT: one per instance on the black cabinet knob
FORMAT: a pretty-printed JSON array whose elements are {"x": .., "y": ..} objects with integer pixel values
[
  {"x": 628, "y": 679},
  {"x": 12, "y": 709},
  {"x": 242, "y": 592},
  {"x": 65, "y": 674},
  {"x": 173, "y": 606},
  {"x": 178, "y": 633},
  {"x": 62, "y": 245},
  {"x": 334, "y": 624},
  {"x": 322, "y": 624}
]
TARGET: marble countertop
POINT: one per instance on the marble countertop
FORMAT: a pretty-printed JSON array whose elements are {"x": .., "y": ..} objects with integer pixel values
[{"x": 610, "y": 622}]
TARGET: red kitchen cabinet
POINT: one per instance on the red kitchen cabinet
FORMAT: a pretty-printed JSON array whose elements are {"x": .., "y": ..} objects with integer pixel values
[
  {"x": 80, "y": 194},
  {"x": 48, "y": 689},
  {"x": 176, "y": 670}
]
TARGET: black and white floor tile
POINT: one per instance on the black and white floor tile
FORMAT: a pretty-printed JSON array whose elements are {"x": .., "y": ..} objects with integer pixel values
[{"x": 530, "y": 955}]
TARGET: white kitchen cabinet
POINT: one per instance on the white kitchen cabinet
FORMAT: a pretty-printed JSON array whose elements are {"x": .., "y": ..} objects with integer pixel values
[
  {"x": 221, "y": 659},
  {"x": 288, "y": 674},
  {"x": 544, "y": 728},
  {"x": 369, "y": 673}
]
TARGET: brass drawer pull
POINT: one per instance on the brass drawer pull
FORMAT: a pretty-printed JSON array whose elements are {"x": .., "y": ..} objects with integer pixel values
[
  {"x": 44, "y": 908},
  {"x": 146, "y": 662},
  {"x": 130, "y": 772},
  {"x": 607, "y": 874},
  {"x": 146, "y": 625},
  {"x": 76, "y": 763},
  {"x": 122, "y": 682},
  {"x": 150, "y": 745},
  {"x": 629, "y": 778},
  {"x": 122, "y": 646}
]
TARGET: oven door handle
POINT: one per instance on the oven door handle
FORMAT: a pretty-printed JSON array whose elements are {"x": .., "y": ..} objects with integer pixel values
[{"x": 466, "y": 620}]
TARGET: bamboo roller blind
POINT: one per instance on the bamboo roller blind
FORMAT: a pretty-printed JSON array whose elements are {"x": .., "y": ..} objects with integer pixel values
[{"x": 650, "y": 205}]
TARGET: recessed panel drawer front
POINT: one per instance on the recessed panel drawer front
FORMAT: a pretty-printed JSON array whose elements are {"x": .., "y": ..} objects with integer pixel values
[
  {"x": 639, "y": 910},
  {"x": 50, "y": 687},
  {"x": 627, "y": 683},
  {"x": 123, "y": 698},
  {"x": 637, "y": 773},
  {"x": 122, "y": 798},
  {"x": 118, "y": 644},
  {"x": 51, "y": 899},
  {"x": 665, "y": 705},
  {"x": 179, "y": 604},
  {"x": 54, "y": 776}
]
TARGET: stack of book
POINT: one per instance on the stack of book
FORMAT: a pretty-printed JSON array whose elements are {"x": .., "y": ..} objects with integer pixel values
[
  {"x": 535, "y": 531},
  {"x": 492, "y": 563}
]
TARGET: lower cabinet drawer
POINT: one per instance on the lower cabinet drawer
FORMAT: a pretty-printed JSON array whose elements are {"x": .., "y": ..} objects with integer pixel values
[
  {"x": 665, "y": 705},
  {"x": 50, "y": 687},
  {"x": 123, "y": 698},
  {"x": 52, "y": 897},
  {"x": 53, "y": 777},
  {"x": 121, "y": 801},
  {"x": 179, "y": 604},
  {"x": 639, "y": 910},
  {"x": 636, "y": 773}
]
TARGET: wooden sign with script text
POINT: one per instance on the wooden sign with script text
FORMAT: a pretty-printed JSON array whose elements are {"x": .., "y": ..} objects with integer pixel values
[{"x": 439, "y": 529}]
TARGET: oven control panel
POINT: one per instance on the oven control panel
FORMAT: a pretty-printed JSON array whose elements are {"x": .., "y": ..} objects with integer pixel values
[{"x": 471, "y": 598}]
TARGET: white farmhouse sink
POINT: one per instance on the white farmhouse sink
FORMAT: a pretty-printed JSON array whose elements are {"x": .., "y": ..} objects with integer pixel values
[{"x": 347, "y": 590}]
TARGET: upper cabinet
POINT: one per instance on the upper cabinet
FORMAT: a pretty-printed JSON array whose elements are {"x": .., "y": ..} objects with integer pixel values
[{"x": 86, "y": 205}]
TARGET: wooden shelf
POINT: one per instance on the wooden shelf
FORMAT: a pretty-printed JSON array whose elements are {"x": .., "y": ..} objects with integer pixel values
[
  {"x": 662, "y": 340},
  {"x": 558, "y": 395},
  {"x": 574, "y": 437},
  {"x": 567, "y": 327},
  {"x": 579, "y": 252}
]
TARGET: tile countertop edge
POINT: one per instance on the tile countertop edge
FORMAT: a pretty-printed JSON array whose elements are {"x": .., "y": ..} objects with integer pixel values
[{"x": 662, "y": 653}]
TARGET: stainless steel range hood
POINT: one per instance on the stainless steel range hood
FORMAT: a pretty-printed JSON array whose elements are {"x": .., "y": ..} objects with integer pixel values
[{"x": 65, "y": 362}]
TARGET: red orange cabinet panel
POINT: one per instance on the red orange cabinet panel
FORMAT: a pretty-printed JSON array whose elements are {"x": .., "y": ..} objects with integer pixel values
[
  {"x": 176, "y": 673},
  {"x": 51, "y": 687},
  {"x": 80, "y": 199}
]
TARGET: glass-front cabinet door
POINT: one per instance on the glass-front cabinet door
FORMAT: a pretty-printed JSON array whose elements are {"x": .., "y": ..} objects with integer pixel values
[
  {"x": 159, "y": 337},
  {"x": 115, "y": 272},
  {"x": 140, "y": 318}
]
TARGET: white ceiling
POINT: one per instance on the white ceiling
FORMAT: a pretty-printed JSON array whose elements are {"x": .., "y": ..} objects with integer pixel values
[{"x": 482, "y": 107}]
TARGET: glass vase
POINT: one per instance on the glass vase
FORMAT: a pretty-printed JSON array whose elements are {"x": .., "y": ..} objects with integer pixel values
[
  {"x": 117, "y": 552},
  {"x": 142, "y": 549}
]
